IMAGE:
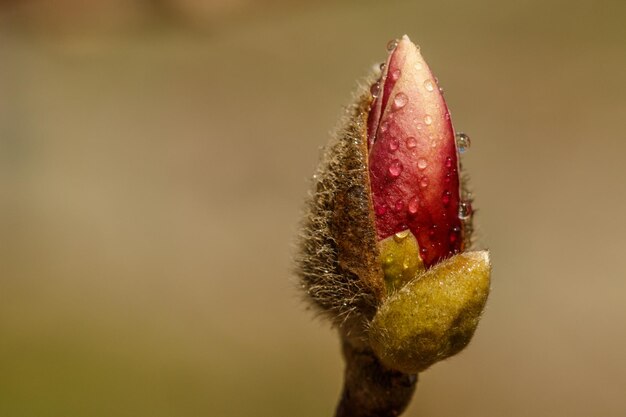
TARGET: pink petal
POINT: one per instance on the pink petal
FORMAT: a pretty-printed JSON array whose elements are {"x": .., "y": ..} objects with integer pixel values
[{"x": 413, "y": 158}]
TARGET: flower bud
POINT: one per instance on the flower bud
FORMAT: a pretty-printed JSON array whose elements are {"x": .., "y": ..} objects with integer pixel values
[{"x": 382, "y": 250}]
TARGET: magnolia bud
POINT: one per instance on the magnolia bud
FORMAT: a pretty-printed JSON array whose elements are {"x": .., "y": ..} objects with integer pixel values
[{"x": 382, "y": 252}]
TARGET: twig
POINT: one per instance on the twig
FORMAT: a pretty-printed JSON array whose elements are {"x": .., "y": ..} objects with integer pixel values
[{"x": 370, "y": 389}]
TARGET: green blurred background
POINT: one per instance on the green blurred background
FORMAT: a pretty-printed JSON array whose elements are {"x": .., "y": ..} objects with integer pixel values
[{"x": 154, "y": 156}]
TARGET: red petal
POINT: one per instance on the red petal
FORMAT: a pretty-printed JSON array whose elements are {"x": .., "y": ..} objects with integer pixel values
[{"x": 413, "y": 159}]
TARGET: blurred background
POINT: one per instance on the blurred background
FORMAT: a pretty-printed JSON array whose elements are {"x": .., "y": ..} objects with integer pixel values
[{"x": 154, "y": 156}]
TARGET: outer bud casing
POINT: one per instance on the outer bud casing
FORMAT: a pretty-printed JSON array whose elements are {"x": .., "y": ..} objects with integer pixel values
[
  {"x": 434, "y": 316},
  {"x": 338, "y": 261}
]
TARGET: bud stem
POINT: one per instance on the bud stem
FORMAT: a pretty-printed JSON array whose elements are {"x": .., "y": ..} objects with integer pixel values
[{"x": 370, "y": 388}]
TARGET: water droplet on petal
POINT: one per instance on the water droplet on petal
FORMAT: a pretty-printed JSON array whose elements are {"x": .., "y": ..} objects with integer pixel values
[
  {"x": 382, "y": 66},
  {"x": 428, "y": 119},
  {"x": 399, "y": 205},
  {"x": 395, "y": 169},
  {"x": 388, "y": 260},
  {"x": 423, "y": 252},
  {"x": 448, "y": 162},
  {"x": 441, "y": 91},
  {"x": 422, "y": 163},
  {"x": 392, "y": 44},
  {"x": 400, "y": 236},
  {"x": 463, "y": 142},
  {"x": 395, "y": 75},
  {"x": 411, "y": 142},
  {"x": 375, "y": 89},
  {"x": 400, "y": 101},
  {"x": 380, "y": 210},
  {"x": 445, "y": 199},
  {"x": 384, "y": 126},
  {"x": 428, "y": 84},
  {"x": 418, "y": 66},
  {"x": 424, "y": 182},
  {"x": 413, "y": 205},
  {"x": 393, "y": 144},
  {"x": 465, "y": 210}
]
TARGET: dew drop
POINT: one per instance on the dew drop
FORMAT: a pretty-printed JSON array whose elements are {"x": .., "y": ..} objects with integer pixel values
[
  {"x": 428, "y": 120},
  {"x": 400, "y": 236},
  {"x": 380, "y": 210},
  {"x": 448, "y": 162},
  {"x": 384, "y": 126},
  {"x": 375, "y": 89},
  {"x": 428, "y": 84},
  {"x": 411, "y": 142},
  {"x": 463, "y": 142},
  {"x": 418, "y": 66},
  {"x": 392, "y": 44},
  {"x": 399, "y": 205},
  {"x": 382, "y": 66},
  {"x": 395, "y": 75},
  {"x": 465, "y": 210},
  {"x": 422, "y": 163},
  {"x": 432, "y": 231},
  {"x": 413, "y": 205},
  {"x": 423, "y": 251},
  {"x": 395, "y": 169},
  {"x": 424, "y": 182},
  {"x": 445, "y": 199},
  {"x": 388, "y": 260},
  {"x": 393, "y": 144},
  {"x": 400, "y": 101}
]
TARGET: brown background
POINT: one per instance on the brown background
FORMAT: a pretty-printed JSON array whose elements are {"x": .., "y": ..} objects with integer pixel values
[{"x": 153, "y": 161}]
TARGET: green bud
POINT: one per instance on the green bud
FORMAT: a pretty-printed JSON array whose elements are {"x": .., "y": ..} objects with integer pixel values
[
  {"x": 434, "y": 316},
  {"x": 399, "y": 256}
]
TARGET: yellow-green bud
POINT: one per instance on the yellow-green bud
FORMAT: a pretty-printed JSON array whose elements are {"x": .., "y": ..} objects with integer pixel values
[{"x": 434, "y": 316}]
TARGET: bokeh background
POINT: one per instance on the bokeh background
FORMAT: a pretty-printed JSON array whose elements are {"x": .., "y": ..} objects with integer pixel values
[{"x": 154, "y": 156}]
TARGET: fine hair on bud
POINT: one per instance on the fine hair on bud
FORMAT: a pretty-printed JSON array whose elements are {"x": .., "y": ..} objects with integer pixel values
[{"x": 337, "y": 261}]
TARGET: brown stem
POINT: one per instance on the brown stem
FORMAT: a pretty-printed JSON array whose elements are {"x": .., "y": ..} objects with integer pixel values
[{"x": 370, "y": 389}]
